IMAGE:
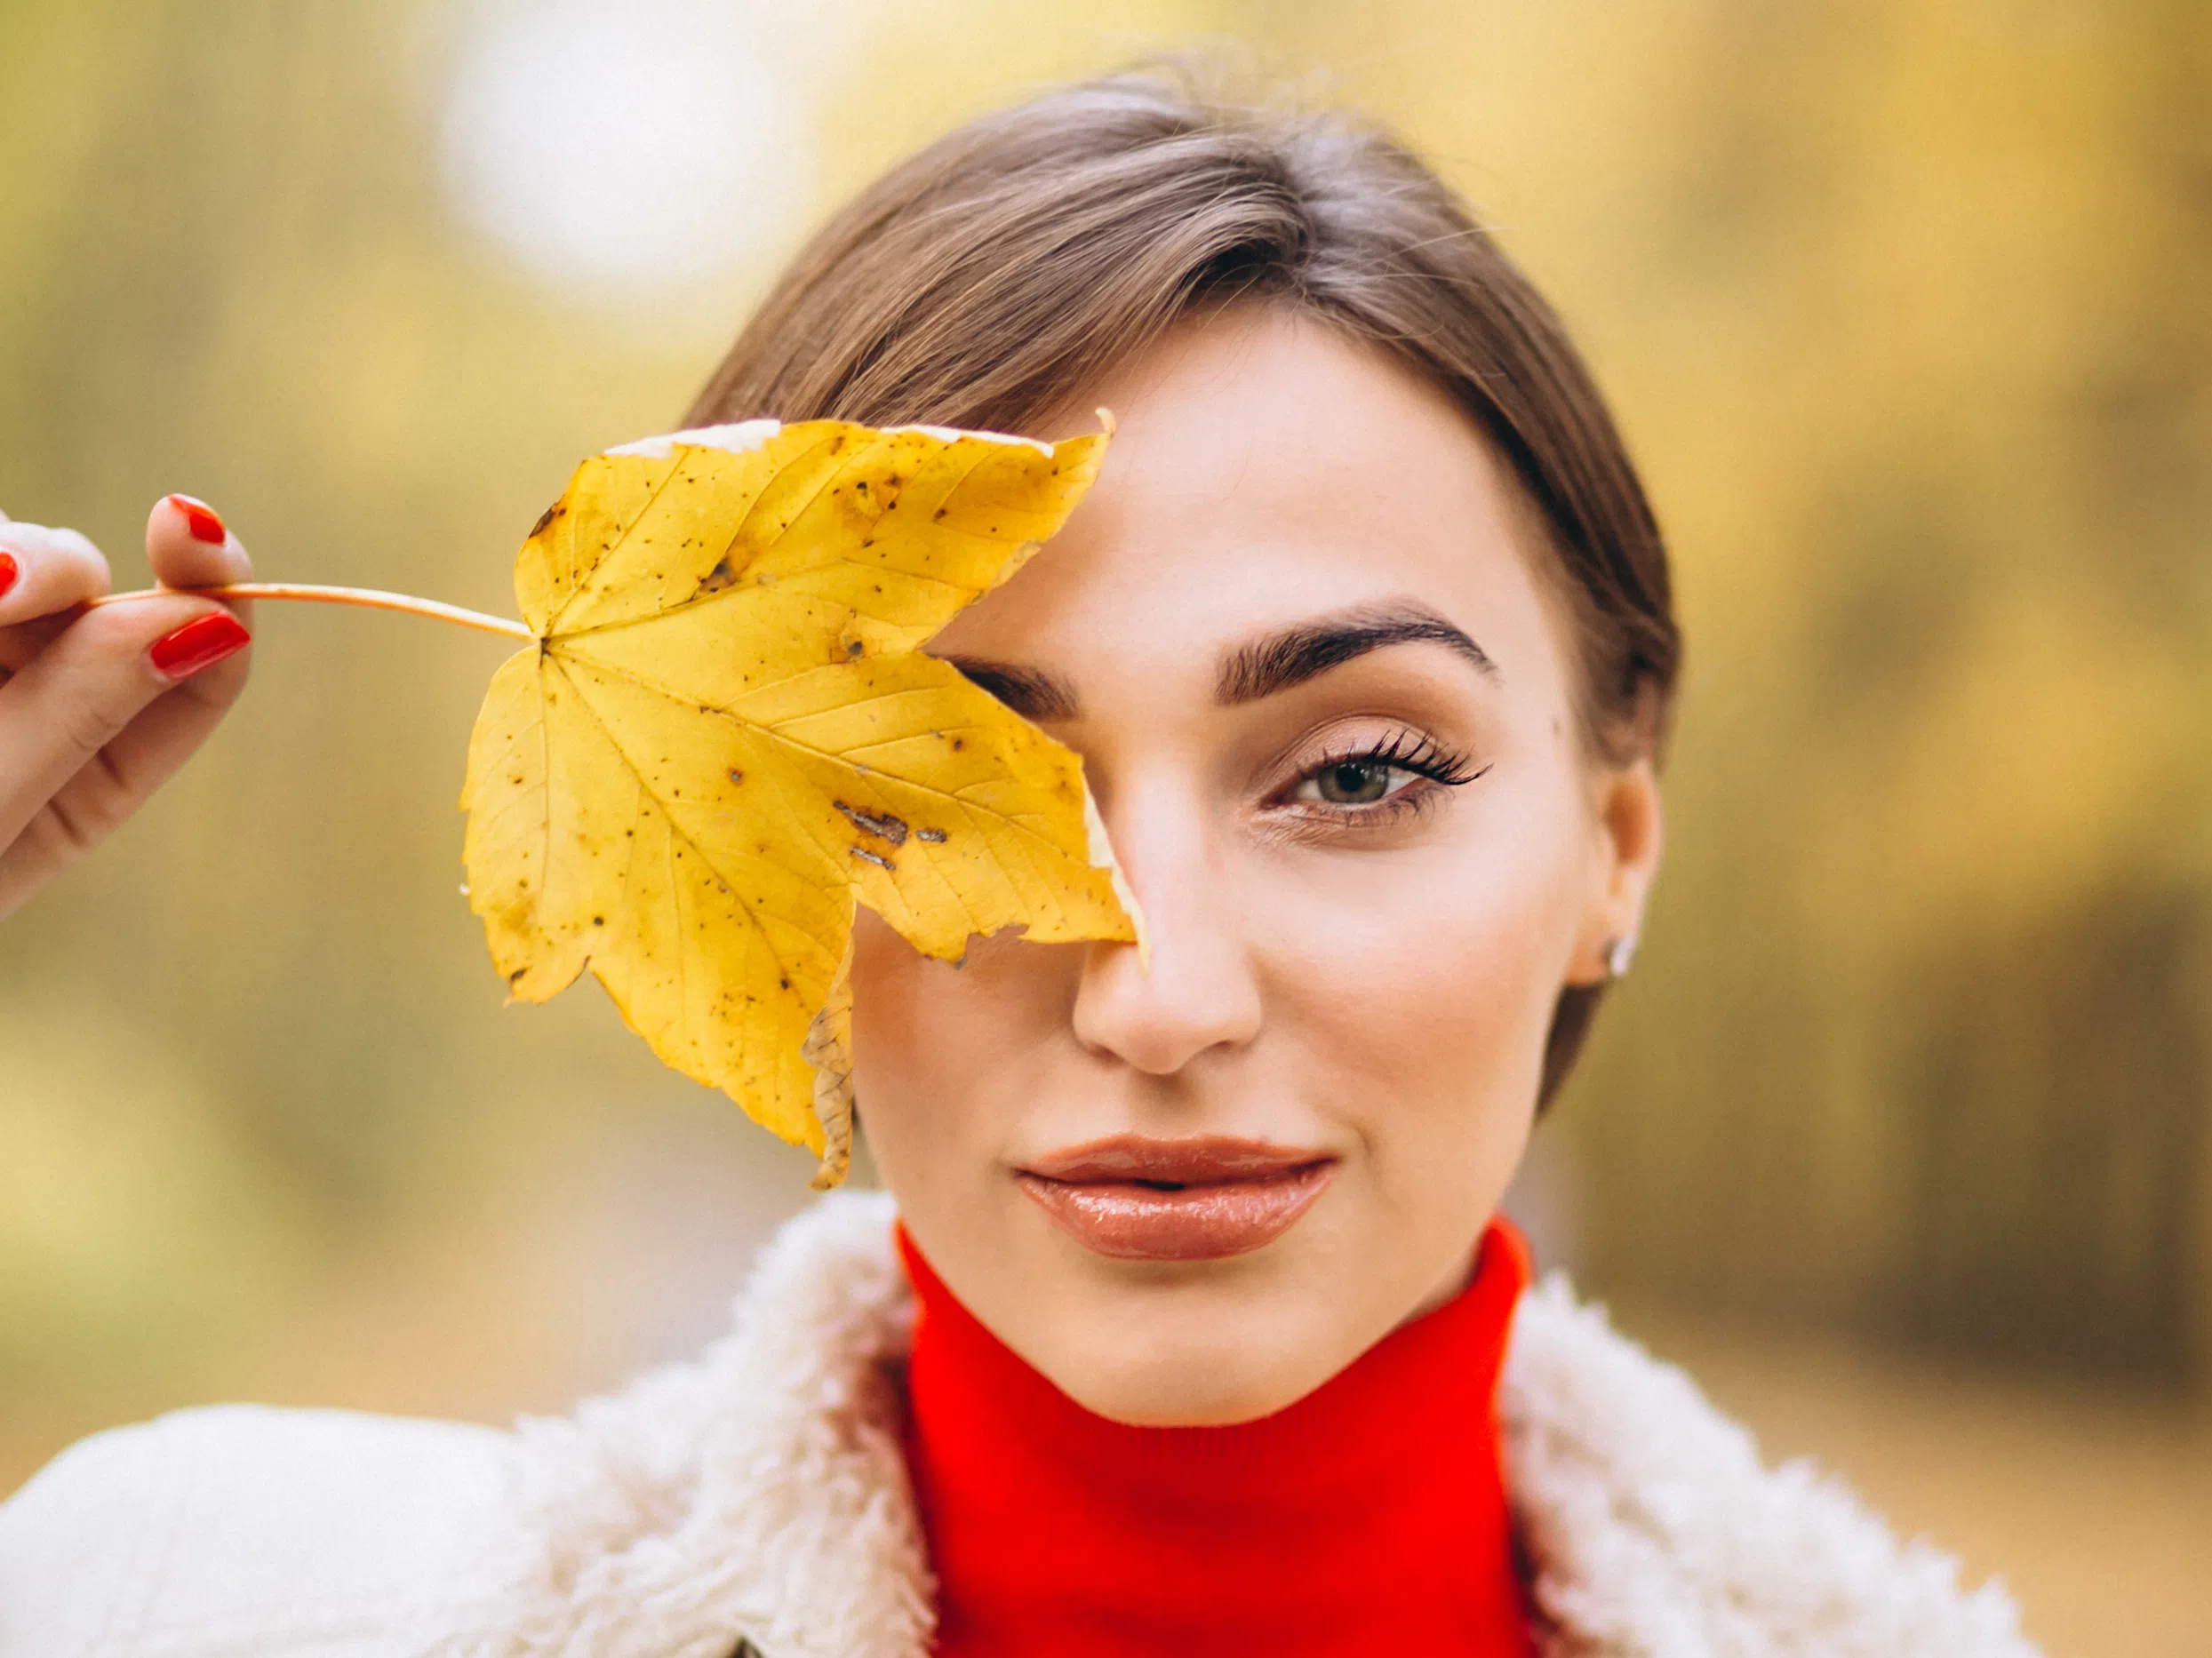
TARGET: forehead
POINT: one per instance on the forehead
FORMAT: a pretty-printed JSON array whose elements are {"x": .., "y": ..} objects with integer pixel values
[{"x": 1266, "y": 469}]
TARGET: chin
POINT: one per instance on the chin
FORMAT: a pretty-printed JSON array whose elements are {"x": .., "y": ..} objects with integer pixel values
[{"x": 1164, "y": 1357}]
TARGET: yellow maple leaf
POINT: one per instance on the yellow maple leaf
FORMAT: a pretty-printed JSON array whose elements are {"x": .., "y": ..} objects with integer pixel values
[{"x": 725, "y": 736}]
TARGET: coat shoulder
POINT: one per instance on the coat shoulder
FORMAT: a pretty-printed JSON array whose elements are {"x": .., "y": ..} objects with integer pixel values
[
  {"x": 294, "y": 1534},
  {"x": 1654, "y": 1528}
]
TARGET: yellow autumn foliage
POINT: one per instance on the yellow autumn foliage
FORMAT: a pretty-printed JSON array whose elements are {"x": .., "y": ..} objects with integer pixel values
[{"x": 725, "y": 737}]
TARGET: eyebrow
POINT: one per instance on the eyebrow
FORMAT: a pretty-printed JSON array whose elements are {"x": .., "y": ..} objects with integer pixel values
[
  {"x": 1259, "y": 667},
  {"x": 1030, "y": 692},
  {"x": 1305, "y": 651}
]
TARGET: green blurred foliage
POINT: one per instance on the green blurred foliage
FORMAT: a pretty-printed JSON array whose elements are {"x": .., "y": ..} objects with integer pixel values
[{"x": 1903, "y": 305}]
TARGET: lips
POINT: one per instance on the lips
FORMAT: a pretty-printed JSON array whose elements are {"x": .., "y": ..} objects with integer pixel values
[{"x": 1199, "y": 1200}]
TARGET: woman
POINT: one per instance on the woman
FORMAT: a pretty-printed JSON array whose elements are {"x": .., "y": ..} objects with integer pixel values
[{"x": 1195, "y": 1331}]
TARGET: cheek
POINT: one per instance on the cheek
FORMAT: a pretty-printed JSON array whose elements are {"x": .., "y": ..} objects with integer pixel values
[
  {"x": 935, "y": 1046},
  {"x": 1423, "y": 984},
  {"x": 894, "y": 1000}
]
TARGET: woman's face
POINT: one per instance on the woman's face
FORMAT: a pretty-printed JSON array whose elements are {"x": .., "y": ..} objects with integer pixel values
[{"x": 1326, "y": 703}]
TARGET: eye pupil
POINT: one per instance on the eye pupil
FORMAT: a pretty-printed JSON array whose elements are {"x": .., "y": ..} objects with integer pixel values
[{"x": 1355, "y": 783}]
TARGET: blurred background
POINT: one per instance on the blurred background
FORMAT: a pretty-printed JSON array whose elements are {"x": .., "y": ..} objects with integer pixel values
[{"x": 1898, "y": 1134}]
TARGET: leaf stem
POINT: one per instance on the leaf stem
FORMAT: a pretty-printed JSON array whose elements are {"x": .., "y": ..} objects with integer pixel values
[{"x": 369, "y": 598}]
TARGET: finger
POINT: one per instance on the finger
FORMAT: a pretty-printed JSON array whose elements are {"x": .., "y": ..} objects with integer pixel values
[
  {"x": 189, "y": 545},
  {"x": 19, "y": 644},
  {"x": 121, "y": 777},
  {"x": 72, "y": 700},
  {"x": 43, "y": 572}
]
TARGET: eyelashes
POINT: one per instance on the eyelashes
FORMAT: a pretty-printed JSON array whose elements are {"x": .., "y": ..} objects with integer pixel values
[
  {"x": 1416, "y": 751},
  {"x": 1369, "y": 786}
]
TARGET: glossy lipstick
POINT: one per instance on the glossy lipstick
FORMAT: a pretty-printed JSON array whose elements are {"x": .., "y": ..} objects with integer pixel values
[{"x": 1199, "y": 1200}]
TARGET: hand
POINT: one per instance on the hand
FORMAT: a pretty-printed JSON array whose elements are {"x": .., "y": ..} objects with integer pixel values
[{"x": 99, "y": 706}]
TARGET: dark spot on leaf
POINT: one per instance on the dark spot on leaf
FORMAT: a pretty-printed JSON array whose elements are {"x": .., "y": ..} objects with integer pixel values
[
  {"x": 735, "y": 776},
  {"x": 545, "y": 520},
  {"x": 598, "y": 921},
  {"x": 784, "y": 983},
  {"x": 719, "y": 577},
  {"x": 959, "y": 743},
  {"x": 516, "y": 977},
  {"x": 884, "y": 827},
  {"x": 934, "y": 837},
  {"x": 853, "y": 647},
  {"x": 876, "y": 858}
]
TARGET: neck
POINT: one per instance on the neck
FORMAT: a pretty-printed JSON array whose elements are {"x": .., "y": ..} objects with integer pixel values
[{"x": 1370, "y": 1515}]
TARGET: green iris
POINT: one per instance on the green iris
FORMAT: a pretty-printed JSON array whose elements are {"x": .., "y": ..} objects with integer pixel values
[{"x": 1353, "y": 783}]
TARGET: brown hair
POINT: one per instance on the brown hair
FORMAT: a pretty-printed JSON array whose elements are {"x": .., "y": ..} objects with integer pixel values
[{"x": 1006, "y": 267}]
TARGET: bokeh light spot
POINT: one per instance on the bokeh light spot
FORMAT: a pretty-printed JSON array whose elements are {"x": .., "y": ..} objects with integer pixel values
[{"x": 625, "y": 149}]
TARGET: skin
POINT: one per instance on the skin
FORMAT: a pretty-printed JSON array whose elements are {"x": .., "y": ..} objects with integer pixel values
[
  {"x": 1372, "y": 981},
  {"x": 88, "y": 726},
  {"x": 1369, "y": 980}
]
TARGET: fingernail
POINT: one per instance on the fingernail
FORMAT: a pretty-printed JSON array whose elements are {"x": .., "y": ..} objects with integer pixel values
[
  {"x": 9, "y": 572},
  {"x": 200, "y": 643},
  {"x": 201, "y": 520}
]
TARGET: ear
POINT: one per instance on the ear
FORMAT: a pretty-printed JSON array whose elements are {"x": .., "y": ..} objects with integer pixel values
[{"x": 1624, "y": 859}]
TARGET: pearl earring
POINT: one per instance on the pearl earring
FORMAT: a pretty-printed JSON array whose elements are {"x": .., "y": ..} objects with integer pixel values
[{"x": 1620, "y": 954}]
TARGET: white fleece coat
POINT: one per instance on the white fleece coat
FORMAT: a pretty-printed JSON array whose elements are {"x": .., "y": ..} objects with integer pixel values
[{"x": 757, "y": 1495}]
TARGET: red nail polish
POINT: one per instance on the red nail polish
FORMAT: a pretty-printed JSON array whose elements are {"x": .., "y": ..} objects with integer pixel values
[
  {"x": 201, "y": 520},
  {"x": 200, "y": 643},
  {"x": 9, "y": 572}
]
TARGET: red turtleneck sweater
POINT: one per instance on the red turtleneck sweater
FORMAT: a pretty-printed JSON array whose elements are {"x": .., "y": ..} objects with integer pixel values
[{"x": 1369, "y": 1517}]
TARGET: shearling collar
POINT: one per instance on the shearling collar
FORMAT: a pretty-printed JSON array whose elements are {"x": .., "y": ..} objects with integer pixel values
[{"x": 760, "y": 1491}]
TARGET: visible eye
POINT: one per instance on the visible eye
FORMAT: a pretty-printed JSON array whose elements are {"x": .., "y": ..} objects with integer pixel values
[
  {"x": 1387, "y": 776},
  {"x": 1360, "y": 782}
]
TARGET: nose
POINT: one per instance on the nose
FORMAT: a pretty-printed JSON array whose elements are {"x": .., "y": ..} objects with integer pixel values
[{"x": 1200, "y": 993}]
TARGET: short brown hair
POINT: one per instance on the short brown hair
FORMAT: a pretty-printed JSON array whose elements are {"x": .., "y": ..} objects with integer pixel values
[{"x": 1008, "y": 265}]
